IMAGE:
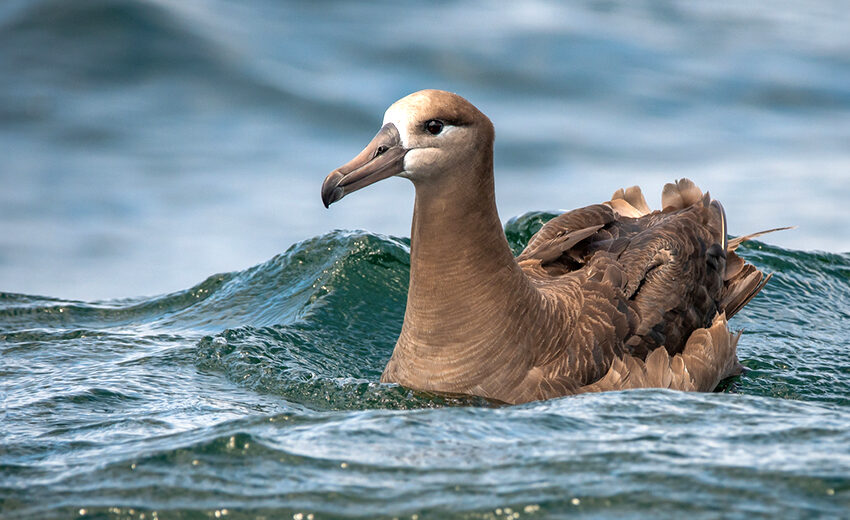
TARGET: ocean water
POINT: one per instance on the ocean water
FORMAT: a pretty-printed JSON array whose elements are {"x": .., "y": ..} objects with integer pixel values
[{"x": 146, "y": 145}]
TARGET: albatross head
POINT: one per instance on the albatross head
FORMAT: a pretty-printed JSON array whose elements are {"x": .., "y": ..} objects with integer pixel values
[{"x": 430, "y": 136}]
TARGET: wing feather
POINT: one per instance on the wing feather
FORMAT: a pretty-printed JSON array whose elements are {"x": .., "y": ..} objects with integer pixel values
[{"x": 655, "y": 286}]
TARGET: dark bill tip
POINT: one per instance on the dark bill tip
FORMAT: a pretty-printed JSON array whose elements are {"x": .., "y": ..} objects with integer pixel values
[{"x": 331, "y": 190}]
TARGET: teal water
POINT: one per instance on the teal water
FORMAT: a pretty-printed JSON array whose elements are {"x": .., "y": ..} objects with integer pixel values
[{"x": 255, "y": 394}]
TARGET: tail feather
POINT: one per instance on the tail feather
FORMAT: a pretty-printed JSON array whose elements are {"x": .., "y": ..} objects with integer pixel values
[
  {"x": 734, "y": 265},
  {"x": 735, "y": 242},
  {"x": 742, "y": 289},
  {"x": 710, "y": 354},
  {"x": 635, "y": 197},
  {"x": 629, "y": 203},
  {"x": 742, "y": 281},
  {"x": 679, "y": 195}
]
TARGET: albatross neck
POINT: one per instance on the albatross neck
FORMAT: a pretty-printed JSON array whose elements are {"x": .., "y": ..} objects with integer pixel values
[
  {"x": 453, "y": 221},
  {"x": 462, "y": 270}
]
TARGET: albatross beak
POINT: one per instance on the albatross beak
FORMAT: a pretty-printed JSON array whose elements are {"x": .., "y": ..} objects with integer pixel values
[{"x": 382, "y": 158}]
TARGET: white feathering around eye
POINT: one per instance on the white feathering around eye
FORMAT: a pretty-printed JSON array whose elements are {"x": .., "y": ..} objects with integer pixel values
[
  {"x": 403, "y": 119},
  {"x": 448, "y": 129}
]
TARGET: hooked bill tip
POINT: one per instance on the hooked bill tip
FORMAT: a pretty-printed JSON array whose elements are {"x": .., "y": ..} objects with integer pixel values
[{"x": 332, "y": 196}]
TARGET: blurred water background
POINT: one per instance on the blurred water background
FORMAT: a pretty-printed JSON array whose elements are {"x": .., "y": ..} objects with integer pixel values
[{"x": 146, "y": 145}]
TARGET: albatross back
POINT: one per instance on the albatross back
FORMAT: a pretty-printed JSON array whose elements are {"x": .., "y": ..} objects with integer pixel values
[{"x": 675, "y": 280}]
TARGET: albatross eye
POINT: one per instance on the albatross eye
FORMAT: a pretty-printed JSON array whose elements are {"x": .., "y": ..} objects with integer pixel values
[{"x": 433, "y": 126}]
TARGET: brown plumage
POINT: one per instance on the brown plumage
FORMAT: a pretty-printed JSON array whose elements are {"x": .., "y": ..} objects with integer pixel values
[{"x": 607, "y": 297}]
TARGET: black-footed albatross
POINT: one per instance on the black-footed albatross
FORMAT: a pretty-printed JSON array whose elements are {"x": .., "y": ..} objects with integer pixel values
[{"x": 613, "y": 296}]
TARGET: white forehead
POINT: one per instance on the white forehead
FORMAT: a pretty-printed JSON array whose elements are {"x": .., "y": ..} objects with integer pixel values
[{"x": 400, "y": 115}]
